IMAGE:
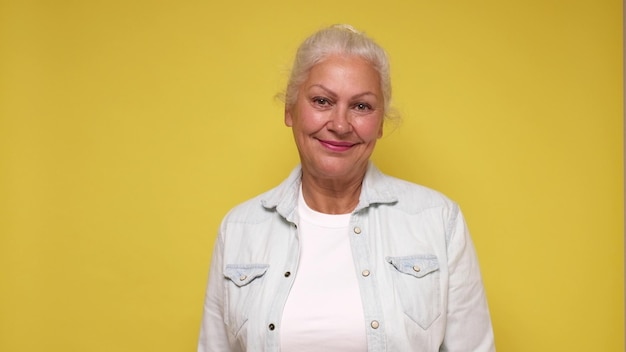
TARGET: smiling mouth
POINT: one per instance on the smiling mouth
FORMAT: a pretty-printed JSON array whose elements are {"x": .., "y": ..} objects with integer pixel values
[{"x": 336, "y": 146}]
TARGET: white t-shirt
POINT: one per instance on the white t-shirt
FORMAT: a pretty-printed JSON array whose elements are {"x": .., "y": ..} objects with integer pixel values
[{"x": 324, "y": 310}]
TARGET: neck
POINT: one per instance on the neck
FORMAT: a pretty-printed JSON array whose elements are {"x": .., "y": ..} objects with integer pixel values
[{"x": 331, "y": 196}]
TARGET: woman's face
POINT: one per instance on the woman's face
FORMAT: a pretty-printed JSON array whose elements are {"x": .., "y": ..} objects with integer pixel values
[{"x": 337, "y": 117}]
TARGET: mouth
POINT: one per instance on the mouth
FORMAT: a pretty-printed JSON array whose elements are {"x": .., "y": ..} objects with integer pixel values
[{"x": 336, "y": 146}]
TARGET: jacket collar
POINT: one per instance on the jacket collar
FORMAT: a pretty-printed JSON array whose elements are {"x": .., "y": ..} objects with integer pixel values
[{"x": 376, "y": 189}]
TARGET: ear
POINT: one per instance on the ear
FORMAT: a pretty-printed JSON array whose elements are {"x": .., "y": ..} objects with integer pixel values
[
  {"x": 288, "y": 118},
  {"x": 380, "y": 130}
]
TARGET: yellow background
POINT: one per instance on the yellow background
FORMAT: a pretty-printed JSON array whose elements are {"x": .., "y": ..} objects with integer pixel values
[{"x": 129, "y": 128}]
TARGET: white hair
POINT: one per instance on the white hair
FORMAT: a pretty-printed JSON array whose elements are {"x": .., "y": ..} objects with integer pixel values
[{"x": 338, "y": 39}]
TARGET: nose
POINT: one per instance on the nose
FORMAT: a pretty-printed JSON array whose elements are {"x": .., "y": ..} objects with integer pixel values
[{"x": 339, "y": 121}]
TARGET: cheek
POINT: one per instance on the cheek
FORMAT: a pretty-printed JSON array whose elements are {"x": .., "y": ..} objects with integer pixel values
[
  {"x": 309, "y": 120},
  {"x": 371, "y": 130}
]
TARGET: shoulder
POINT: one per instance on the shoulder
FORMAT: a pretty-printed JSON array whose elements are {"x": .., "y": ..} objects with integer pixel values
[
  {"x": 281, "y": 200},
  {"x": 249, "y": 211},
  {"x": 415, "y": 197},
  {"x": 403, "y": 195}
]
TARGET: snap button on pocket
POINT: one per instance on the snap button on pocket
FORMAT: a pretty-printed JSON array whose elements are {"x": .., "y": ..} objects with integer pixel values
[
  {"x": 416, "y": 265},
  {"x": 243, "y": 274}
]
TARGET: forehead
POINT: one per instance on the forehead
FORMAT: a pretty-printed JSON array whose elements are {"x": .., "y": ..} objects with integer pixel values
[{"x": 345, "y": 73}]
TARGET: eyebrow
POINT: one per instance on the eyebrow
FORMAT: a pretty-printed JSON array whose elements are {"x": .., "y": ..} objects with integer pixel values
[{"x": 334, "y": 95}]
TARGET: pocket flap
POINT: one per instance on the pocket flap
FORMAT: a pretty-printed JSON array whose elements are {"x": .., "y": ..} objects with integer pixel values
[
  {"x": 243, "y": 274},
  {"x": 415, "y": 265}
]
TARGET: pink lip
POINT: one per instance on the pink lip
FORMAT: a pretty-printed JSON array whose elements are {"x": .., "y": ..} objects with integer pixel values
[{"x": 336, "y": 146}]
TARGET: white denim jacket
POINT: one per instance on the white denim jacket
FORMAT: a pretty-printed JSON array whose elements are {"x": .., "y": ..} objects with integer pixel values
[{"x": 418, "y": 273}]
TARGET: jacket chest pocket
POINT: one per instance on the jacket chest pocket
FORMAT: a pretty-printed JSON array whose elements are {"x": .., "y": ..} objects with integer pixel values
[
  {"x": 416, "y": 279},
  {"x": 243, "y": 284}
]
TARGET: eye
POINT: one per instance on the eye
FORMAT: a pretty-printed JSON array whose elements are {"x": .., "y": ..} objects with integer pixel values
[
  {"x": 362, "y": 106},
  {"x": 321, "y": 101}
]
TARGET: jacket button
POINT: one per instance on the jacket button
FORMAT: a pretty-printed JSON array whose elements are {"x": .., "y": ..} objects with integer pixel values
[
  {"x": 242, "y": 277},
  {"x": 374, "y": 324},
  {"x": 416, "y": 269},
  {"x": 271, "y": 327},
  {"x": 287, "y": 273},
  {"x": 357, "y": 230},
  {"x": 365, "y": 273}
]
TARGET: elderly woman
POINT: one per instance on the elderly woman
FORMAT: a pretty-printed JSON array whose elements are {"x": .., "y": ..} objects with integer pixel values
[{"x": 340, "y": 257}]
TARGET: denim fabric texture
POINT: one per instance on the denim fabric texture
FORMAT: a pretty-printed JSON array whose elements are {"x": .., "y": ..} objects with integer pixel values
[{"x": 418, "y": 273}]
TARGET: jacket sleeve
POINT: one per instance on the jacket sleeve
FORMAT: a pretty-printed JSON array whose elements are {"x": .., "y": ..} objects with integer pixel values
[
  {"x": 213, "y": 331},
  {"x": 468, "y": 322}
]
